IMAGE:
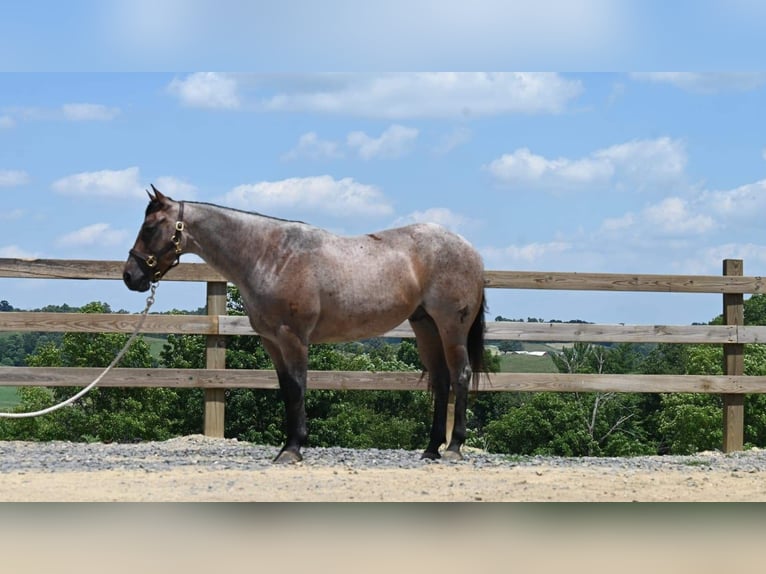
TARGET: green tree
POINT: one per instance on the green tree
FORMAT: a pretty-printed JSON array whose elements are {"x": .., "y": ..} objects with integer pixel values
[
  {"x": 104, "y": 414},
  {"x": 690, "y": 422}
]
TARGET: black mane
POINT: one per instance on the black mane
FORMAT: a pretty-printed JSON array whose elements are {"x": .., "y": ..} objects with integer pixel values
[{"x": 242, "y": 211}]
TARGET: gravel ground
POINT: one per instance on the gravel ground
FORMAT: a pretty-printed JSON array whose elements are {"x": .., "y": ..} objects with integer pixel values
[{"x": 201, "y": 468}]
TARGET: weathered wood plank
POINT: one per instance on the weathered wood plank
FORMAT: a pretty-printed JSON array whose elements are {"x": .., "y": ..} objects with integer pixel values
[
  {"x": 569, "y": 332},
  {"x": 623, "y": 282},
  {"x": 107, "y": 323},
  {"x": 90, "y": 269},
  {"x": 364, "y": 380},
  {"x": 501, "y": 331},
  {"x": 112, "y": 270},
  {"x": 593, "y": 333}
]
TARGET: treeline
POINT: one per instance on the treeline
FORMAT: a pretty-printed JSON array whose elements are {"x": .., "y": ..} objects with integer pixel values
[
  {"x": 566, "y": 424},
  {"x": 500, "y": 318}
]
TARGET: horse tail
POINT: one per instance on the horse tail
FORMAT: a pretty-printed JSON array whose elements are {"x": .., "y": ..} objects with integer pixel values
[{"x": 476, "y": 344}]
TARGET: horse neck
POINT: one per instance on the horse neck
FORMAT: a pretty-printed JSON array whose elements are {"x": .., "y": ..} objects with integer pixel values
[{"x": 222, "y": 236}]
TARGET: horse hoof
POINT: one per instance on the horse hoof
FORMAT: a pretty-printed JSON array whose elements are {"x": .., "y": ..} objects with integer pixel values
[
  {"x": 288, "y": 457},
  {"x": 427, "y": 455},
  {"x": 452, "y": 455}
]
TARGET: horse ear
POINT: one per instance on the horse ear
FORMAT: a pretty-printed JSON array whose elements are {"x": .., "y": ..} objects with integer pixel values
[
  {"x": 151, "y": 197},
  {"x": 157, "y": 194}
]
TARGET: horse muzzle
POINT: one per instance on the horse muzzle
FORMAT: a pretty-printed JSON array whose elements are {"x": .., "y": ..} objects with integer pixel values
[{"x": 135, "y": 278}]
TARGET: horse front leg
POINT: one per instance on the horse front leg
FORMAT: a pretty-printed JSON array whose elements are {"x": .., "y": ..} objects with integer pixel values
[{"x": 291, "y": 363}]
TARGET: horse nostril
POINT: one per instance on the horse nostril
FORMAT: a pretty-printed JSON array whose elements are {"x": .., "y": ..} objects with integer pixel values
[{"x": 126, "y": 277}]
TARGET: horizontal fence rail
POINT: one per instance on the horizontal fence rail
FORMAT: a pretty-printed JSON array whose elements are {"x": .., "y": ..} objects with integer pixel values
[
  {"x": 371, "y": 381},
  {"x": 216, "y": 327},
  {"x": 201, "y": 272},
  {"x": 496, "y": 330}
]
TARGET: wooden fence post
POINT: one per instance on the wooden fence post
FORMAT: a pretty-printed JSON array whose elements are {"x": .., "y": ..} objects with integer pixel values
[
  {"x": 733, "y": 364},
  {"x": 215, "y": 399}
]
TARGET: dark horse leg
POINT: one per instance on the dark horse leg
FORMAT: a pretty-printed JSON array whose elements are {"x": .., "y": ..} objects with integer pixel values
[
  {"x": 454, "y": 367},
  {"x": 460, "y": 375},
  {"x": 291, "y": 363},
  {"x": 464, "y": 353},
  {"x": 431, "y": 353}
]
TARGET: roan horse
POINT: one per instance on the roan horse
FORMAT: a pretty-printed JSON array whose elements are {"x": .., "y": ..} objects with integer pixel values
[{"x": 301, "y": 285}]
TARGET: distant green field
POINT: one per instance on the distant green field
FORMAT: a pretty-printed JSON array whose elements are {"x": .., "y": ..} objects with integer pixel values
[
  {"x": 9, "y": 398},
  {"x": 513, "y": 363},
  {"x": 155, "y": 345},
  {"x": 526, "y": 364}
]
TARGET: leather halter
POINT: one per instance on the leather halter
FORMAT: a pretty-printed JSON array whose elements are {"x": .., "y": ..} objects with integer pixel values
[{"x": 149, "y": 262}]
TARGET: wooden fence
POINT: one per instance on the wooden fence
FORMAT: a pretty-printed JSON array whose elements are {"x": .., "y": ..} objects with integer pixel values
[{"x": 216, "y": 325}]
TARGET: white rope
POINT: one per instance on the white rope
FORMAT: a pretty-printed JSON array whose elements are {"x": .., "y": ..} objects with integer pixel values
[{"x": 145, "y": 312}]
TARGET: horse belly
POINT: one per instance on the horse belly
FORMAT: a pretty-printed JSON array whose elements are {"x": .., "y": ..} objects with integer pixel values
[{"x": 371, "y": 317}]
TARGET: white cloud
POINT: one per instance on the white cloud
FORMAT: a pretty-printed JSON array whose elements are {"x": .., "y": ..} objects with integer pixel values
[
  {"x": 392, "y": 96},
  {"x": 111, "y": 184},
  {"x": 120, "y": 184},
  {"x": 16, "y": 252},
  {"x": 528, "y": 253},
  {"x": 89, "y": 112},
  {"x": 638, "y": 163},
  {"x": 707, "y": 82},
  {"x": 441, "y": 215},
  {"x": 311, "y": 147},
  {"x": 618, "y": 223},
  {"x": 672, "y": 216},
  {"x": 95, "y": 234},
  {"x": 13, "y": 178},
  {"x": 6, "y": 122},
  {"x": 392, "y": 143},
  {"x": 323, "y": 193},
  {"x": 698, "y": 213},
  {"x": 746, "y": 202},
  {"x": 207, "y": 90},
  {"x": 436, "y": 94},
  {"x": 708, "y": 260}
]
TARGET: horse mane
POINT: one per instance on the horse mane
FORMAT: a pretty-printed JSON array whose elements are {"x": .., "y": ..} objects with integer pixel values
[
  {"x": 155, "y": 206},
  {"x": 224, "y": 208}
]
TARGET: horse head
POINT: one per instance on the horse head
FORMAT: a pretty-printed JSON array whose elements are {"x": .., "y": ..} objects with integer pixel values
[{"x": 158, "y": 245}]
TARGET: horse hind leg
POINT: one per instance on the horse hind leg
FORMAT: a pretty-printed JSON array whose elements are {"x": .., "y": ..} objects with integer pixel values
[
  {"x": 456, "y": 336},
  {"x": 456, "y": 355},
  {"x": 431, "y": 353},
  {"x": 291, "y": 365}
]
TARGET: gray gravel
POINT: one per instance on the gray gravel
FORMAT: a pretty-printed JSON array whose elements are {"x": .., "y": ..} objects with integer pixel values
[{"x": 223, "y": 454}]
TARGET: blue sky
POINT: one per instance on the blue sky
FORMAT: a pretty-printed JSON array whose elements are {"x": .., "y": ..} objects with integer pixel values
[{"x": 588, "y": 172}]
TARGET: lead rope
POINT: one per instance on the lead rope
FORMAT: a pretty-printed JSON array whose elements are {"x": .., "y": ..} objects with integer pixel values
[{"x": 144, "y": 313}]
